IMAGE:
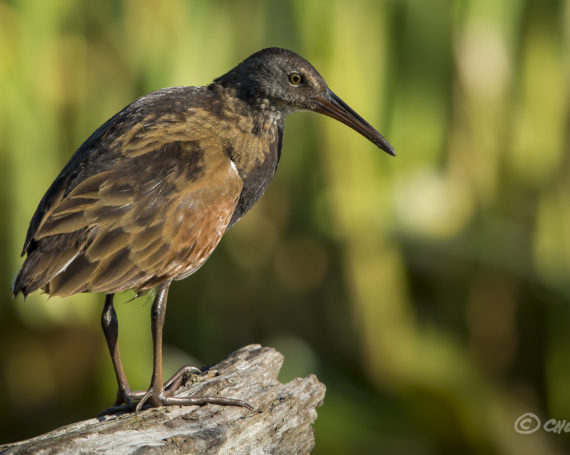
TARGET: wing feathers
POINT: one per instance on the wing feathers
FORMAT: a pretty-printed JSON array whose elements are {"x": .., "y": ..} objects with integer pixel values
[
  {"x": 155, "y": 258},
  {"x": 72, "y": 279},
  {"x": 109, "y": 268},
  {"x": 152, "y": 216},
  {"x": 107, "y": 243},
  {"x": 65, "y": 224},
  {"x": 73, "y": 205}
]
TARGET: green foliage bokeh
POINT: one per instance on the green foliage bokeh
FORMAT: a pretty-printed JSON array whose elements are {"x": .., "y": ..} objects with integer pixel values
[{"x": 429, "y": 292}]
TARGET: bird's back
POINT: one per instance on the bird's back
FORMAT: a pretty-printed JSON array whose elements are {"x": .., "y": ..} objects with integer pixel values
[{"x": 135, "y": 199}]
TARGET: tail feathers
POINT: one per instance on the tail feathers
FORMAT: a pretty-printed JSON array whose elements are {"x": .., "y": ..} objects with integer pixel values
[
  {"x": 39, "y": 269},
  {"x": 18, "y": 286},
  {"x": 23, "y": 285}
]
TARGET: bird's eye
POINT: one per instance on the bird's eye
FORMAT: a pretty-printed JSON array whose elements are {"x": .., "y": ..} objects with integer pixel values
[{"x": 295, "y": 78}]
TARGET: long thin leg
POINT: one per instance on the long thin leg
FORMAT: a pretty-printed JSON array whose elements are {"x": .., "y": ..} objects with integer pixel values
[
  {"x": 157, "y": 315},
  {"x": 110, "y": 325},
  {"x": 156, "y": 395},
  {"x": 155, "y": 392}
]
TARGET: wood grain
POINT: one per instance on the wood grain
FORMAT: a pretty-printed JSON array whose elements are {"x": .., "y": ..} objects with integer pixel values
[{"x": 280, "y": 424}]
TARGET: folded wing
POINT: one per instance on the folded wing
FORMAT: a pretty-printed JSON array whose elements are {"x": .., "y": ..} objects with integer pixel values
[{"x": 153, "y": 215}]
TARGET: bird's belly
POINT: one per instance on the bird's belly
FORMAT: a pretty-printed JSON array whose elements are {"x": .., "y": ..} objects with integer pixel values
[{"x": 191, "y": 230}]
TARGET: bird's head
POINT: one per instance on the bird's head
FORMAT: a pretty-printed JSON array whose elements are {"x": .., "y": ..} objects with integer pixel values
[{"x": 280, "y": 81}]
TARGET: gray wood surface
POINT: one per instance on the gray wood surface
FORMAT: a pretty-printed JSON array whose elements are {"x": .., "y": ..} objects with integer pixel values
[{"x": 280, "y": 423}]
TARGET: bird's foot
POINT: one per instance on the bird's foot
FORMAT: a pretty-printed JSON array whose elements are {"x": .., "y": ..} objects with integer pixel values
[
  {"x": 124, "y": 402},
  {"x": 134, "y": 400},
  {"x": 160, "y": 398},
  {"x": 163, "y": 396}
]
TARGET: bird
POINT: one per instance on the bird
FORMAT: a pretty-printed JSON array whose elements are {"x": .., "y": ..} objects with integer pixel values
[{"x": 145, "y": 200}]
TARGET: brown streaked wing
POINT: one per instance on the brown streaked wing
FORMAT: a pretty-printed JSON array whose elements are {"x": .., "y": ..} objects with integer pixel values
[
  {"x": 168, "y": 211},
  {"x": 64, "y": 214}
]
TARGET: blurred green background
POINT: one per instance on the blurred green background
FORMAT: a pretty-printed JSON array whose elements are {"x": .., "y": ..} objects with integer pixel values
[{"x": 430, "y": 292}]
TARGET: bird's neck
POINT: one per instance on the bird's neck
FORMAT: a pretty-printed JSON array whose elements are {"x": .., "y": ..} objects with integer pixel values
[
  {"x": 252, "y": 138},
  {"x": 252, "y": 132},
  {"x": 256, "y": 164},
  {"x": 249, "y": 95}
]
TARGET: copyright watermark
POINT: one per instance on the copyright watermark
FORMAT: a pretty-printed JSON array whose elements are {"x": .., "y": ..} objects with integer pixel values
[{"x": 529, "y": 423}]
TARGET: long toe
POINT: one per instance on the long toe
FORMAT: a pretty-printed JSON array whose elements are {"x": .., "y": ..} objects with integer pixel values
[
  {"x": 115, "y": 410},
  {"x": 164, "y": 397},
  {"x": 161, "y": 399},
  {"x": 181, "y": 377},
  {"x": 128, "y": 397},
  {"x": 125, "y": 401},
  {"x": 200, "y": 401},
  {"x": 155, "y": 399}
]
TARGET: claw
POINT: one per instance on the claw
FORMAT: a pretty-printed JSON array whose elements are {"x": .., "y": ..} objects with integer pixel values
[{"x": 181, "y": 377}]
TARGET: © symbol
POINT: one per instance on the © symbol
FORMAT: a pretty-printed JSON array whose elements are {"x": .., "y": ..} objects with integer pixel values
[{"x": 527, "y": 423}]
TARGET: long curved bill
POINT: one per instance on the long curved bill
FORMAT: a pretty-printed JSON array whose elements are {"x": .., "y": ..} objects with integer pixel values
[{"x": 334, "y": 107}]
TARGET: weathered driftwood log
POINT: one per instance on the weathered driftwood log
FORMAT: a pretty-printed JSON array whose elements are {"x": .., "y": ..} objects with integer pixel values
[{"x": 280, "y": 423}]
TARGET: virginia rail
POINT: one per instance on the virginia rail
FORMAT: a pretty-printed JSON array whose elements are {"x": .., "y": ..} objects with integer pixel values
[{"x": 148, "y": 196}]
